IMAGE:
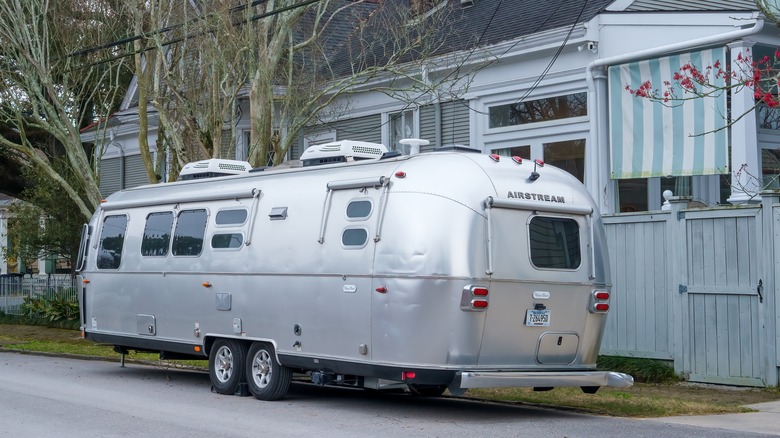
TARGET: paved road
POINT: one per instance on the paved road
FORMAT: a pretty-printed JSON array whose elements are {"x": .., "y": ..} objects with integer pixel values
[{"x": 51, "y": 396}]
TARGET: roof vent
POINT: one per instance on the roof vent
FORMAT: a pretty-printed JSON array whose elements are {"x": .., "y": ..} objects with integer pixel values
[{"x": 213, "y": 168}]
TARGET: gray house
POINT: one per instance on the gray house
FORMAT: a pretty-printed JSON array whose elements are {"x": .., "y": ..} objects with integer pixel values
[{"x": 557, "y": 92}]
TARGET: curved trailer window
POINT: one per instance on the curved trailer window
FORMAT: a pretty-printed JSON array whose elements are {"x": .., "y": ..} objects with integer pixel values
[
  {"x": 190, "y": 229},
  {"x": 157, "y": 234},
  {"x": 555, "y": 243},
  {"x": 112, "y": 238}
]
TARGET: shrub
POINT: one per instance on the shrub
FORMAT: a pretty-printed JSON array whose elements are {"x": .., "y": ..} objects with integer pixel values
[{"x": 57, "y": 308}]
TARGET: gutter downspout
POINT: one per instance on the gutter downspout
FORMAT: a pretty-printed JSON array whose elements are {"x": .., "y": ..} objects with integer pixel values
[{"x": 597, "y": 105}]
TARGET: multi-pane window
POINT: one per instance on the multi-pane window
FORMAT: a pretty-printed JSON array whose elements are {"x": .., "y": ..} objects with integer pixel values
[
  {"x": 112, "y": 238},
  {"x": 540, "y": 110},
  {"x": 567, "y": 155}
]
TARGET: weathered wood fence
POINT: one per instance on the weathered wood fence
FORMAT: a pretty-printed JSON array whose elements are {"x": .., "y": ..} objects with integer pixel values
[{"x": 698, "y": 287}]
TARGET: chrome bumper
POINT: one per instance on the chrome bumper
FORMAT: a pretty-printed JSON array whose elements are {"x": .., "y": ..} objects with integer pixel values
[{"x": 499, "y": 379}]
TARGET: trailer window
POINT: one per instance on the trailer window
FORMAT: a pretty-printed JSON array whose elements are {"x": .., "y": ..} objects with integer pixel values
[
  {"x": 359, "y": 209},
  {"x": 354, "y": 238},
  {"x": 112, "y": 238},
  {"x": 231, "y": 217},
  {"x": 157, "y": 234},
  {"x": 555, "y": 243},
  {"x": 227, "y": 240},
  {"x": 190, "y": 229}
]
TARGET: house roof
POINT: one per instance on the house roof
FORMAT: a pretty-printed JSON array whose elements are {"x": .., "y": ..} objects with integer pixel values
[{"x": 691, "y": 5}]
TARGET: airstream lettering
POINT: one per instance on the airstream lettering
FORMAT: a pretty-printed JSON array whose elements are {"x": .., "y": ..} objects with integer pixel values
[{"x": 400, "y": 271}]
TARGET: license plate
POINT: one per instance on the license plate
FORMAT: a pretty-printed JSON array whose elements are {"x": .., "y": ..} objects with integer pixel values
[{"x": 535, "y": 318}]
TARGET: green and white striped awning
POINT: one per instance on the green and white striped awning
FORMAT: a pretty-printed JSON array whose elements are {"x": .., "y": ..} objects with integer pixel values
[{"x": 679, "y": 138}]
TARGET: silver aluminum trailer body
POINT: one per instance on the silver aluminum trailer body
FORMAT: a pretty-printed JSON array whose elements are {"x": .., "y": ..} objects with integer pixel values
[{"x": 443, "y": 269}]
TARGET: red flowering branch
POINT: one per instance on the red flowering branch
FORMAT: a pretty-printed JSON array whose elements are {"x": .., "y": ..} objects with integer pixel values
[{"x": 691, "y": 82}]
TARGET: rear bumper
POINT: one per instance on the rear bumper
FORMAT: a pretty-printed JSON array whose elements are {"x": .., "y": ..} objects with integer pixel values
[{"x": 499, "y": 379}]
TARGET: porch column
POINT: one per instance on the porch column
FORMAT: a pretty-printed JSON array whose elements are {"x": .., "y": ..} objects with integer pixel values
[{"x": 745, "y": 158}]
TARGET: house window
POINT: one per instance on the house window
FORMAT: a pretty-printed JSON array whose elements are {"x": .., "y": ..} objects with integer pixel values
[
  {"x": 157, "y": 234},
  {"x": 190, "y": 229},
  {"x": 568, "y": 155},
  {"x": 646, "y": 194},
  {"x": 112, "y": 238},
  {"x": 523, "y": 152},
  {"x": 770, "y": 168},
  {"x": 540, "y": 110},
  {"x": 402, "y": 125}
]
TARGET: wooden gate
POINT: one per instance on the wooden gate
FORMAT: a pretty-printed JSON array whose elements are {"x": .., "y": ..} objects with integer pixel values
[
  {"x": 720, "y": 303},
  {"x": 698, "y": 287}
]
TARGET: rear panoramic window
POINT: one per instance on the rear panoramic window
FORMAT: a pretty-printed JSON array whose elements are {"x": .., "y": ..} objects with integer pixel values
[
  {"x": 112, "y": 238},
  {"x": 157, "y": 234},
  {"x": 190, "y": 229},
  {"x": 555, "y": 243}
]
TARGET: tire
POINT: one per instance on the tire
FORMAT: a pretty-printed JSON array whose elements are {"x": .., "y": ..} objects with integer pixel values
[
  {"x": 226, "y": 366},
  {"x": 265, "y": 377},
  {"x": 427, "y": 390}
]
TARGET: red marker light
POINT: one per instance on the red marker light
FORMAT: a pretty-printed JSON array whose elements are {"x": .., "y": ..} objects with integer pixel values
[
  {"x": 539, "y": 162},
  {"x": 601, "y": 295},
  {"x": 408, "y": 375},
  {"x": 480, "y": 291},
  {"x": 400, "y": 174},
  {"x": 479, "y": 304},
  {"x": 495, "y": 157},
  {"x": 517, "y": 159},
  {"x": 602, "y": 307},
  {"x": 381, "y": 289}
]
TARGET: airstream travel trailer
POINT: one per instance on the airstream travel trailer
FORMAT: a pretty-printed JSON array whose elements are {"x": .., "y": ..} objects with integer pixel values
[{"x": 446, "y": 269}]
